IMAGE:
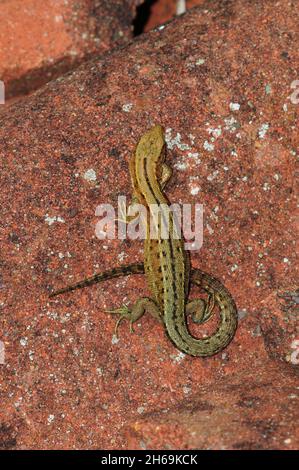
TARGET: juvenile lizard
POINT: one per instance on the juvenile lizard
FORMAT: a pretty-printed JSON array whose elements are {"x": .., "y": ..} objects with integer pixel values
[{"x": 167, "y": 266}]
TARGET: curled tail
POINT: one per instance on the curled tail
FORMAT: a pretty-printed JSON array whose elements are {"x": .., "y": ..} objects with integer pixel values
[{"x": 179, "y": 333}]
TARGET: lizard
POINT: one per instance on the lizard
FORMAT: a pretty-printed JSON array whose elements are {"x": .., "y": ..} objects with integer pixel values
[{"x": 167, "y": 264}]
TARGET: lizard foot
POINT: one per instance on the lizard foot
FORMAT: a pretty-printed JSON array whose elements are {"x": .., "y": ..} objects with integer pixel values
[
  {"x": 125, "y": 314},
  {"x": 200, "y": 309}
]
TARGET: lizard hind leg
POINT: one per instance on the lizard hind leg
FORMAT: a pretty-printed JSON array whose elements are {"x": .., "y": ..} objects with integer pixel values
[
  {"x": 145, "y": 304},
  {"x": 200, "y": 309}
]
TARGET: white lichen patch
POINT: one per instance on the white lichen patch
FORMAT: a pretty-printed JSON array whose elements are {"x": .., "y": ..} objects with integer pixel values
[
  {"x": 224, "y": 356},
  {"x": 182, "y": 166},
  {"x": 266, "y": 186},
  {"x": 178, "y": 358},
  {"x": 187, "y": 390},
  {"x": 192, "y": 139},
  {"x": 231, "y": 124},
  {"x": 263, "y": 129},
  {"x": 127, "y": 107},
  {"x": 213, "y": 215},
  {"x": 215, "y": 131},
  {"x": 50, "y": 419},
  {"x": 210, "y": 230},
  {"x": 194, "y": 156},
  {"x": 90, "y": 175},
  {"x": 175, "y": 141},
  {"x": 31, "y": 355},
  {"x": 293, "y": 396},
  {"x": 18, "y": 403},
  {"x": 213, "y": 175},
  {"x": 234, "y": 106},
  {"x": 121, "y": 256},
  {"x": 194, "y": 190},
  {"x": 50, "y": 220},
  {"x": 52, "y": 315},
  {"x": 208, "y": 146}
]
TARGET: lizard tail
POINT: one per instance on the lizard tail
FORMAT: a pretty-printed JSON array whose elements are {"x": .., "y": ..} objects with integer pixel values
[
  {"x": 210, "y": 345},
  {"x": 136, "y": 268}
]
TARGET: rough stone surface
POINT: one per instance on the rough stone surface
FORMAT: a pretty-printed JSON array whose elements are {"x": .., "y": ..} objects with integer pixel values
[
  {"x": 253, "y": 410},
  {"x": 41, "y": 40},
  {"x": 223, "y": 91}
]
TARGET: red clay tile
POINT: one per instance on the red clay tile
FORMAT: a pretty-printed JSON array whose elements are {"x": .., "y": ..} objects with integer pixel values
[{"x": 41, "y": 40}]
